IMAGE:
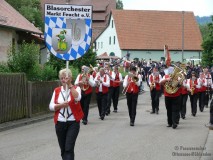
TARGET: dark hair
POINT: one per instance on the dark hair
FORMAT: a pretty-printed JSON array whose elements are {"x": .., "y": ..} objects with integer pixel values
[{"x": 133, "y": 68}]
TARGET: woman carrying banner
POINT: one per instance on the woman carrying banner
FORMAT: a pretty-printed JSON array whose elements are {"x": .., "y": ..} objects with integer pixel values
[{"x": 68, "y": 113}]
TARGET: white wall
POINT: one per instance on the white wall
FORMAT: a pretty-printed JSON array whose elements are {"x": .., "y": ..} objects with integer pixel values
[
  {"x": 102, "y": 43},
  {"x": 156, "y": 55},
  {"x": 6, "y": 36}
]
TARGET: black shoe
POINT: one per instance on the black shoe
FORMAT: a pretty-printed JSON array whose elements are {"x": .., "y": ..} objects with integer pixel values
[
  {"x": 174, "y": 126},
  {"x": 177, "y": 122},
  {"x": 102, "y": 118},
  {"x": 201, "y": 110},
  {"x": 157, "y": 112},
  {"x": 131, "y": 123},
  {"x": 115, "y": 111},
  {"x": 169, "y": 125},
  {"x": 84, "y": 122},
  {"x": 107, "y": 114},
  {"x": 183, "y": 117},
  {"x": 152, "y": 112},
  {"x": 193, "y": 114}
]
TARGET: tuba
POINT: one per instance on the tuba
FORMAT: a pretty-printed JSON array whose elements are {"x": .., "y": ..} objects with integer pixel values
[{"x": 177, "y": 78}]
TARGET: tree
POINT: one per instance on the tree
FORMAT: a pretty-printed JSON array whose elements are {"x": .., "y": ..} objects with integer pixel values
[
  {"x": 30, "y": 9},
  {"x": 119, "y": 4},
  {"x": 86, "y": 59},
  {"x": 207, "y": 56}
]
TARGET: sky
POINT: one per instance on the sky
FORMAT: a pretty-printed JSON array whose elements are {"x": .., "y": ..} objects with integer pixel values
[{"x": 199, "y": 7}]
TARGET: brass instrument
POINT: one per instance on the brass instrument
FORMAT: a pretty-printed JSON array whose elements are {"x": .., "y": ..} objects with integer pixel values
[
  {"x": 85, "y": 85},
  {"x": 98, "y": 82},
  {"x": 193, "y": 87},
  {"x": 176, "y": 78},
  {"x": 134, "y": 78},
  {"x": 91, "y": 69}
]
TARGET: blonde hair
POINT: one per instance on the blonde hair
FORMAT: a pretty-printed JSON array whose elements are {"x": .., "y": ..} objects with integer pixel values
[{"x": 64, "y": 71}]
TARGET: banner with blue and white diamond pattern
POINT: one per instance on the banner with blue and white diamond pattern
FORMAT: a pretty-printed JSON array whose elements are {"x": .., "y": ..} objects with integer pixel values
[{"x": 68, "y": 30}]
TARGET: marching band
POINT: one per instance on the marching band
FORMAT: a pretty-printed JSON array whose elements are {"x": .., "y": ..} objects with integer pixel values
[{"x": 176, "y": 85}]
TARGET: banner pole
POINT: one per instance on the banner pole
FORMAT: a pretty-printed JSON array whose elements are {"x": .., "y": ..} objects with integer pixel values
[{"x": 66, "y": 97}]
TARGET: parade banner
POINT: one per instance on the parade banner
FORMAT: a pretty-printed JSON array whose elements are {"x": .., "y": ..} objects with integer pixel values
[{"x": 68, "y": 30}]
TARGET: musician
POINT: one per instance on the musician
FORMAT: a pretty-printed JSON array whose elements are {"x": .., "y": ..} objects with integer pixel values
[
  {"x": 68, "y": 113},
  {"x": 172, "y": 100},
  {"x": 111, "y": 75},
  {"x": 155, "y": 89},
  {"x": 202, "y": 90},
  {"x": 86, "y": 82},
  {"x": 116, "y": 88},
  {"x": 193, "y": 85},
  {"x": 184, "y": 98},
  {"x": 208, "y": 88},
  {"x": 132, "y": 89},
  {"x": 102, "y": 82}
]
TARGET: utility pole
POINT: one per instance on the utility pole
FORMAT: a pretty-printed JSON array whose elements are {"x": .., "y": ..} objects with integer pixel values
[{"x": 182, "y": 35}]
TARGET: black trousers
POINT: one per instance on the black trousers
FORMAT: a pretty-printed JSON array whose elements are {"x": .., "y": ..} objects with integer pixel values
[
  {"x": 211, "y": 112},
  {"x": 155, "y": 94},
  {"x": 85, "y": 101},
  {"x": 109, "y": 99},
  {"x": 193, "y": 100},
  {"x": 201, "y": 98},
  {"x": 67, "y": 133},
  {"x": 207, "y": 97},
  {"x": 184, "y": 98},
  {"x": 132, "y": 100},
  {"x": 173, "y": 108},
  {"x": 115, "y": 97},
  {"x": 102, "y": 103}
]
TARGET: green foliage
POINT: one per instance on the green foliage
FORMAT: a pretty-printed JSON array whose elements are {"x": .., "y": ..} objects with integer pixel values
[
  {"x": 57, "y": 63},
  {"x": 30, "y": 9},
  {"x": 204, "y": 30},
  {"x": 119, "y": 4},
  {"x": 207, "y": 56},
  {"x": 4, "y": 67},
  {"x": 86, "y": 59},
  {"x": 24, "y": 59}
]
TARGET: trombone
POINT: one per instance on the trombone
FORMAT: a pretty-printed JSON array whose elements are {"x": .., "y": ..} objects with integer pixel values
[{"x": 134, "y": 78}]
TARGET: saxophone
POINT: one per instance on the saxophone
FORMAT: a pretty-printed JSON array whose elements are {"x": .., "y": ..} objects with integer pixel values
[
  {"x": 177, "y": 78},
  {"x": 192, "y": 87}
]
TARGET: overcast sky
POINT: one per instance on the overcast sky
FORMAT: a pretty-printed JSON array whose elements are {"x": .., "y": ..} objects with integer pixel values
[{"x": 199, "y": 7}]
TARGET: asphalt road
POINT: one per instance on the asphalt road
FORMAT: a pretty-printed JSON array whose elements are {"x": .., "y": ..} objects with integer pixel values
[{"x": 114, "y": 138}]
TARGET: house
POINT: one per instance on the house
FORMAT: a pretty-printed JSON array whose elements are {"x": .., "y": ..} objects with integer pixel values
[
  {"x": 143, "y": 34},
  {"x": 101, "y": 12},
  {"x": 14, "y": 28}
]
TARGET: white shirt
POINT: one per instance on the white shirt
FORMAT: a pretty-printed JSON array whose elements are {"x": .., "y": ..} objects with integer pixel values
[
  {"x": 126, "y": 81},
  {"x": 188, "y": 84},
  {"x": 91, "y": 80},
  {"x": 107, "y": 83},
  {"x": 62, "y": 94}
]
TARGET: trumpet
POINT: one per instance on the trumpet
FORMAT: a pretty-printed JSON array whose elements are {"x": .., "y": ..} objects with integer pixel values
[
  {"x": 125, "y": 89},
  {"x": 192, "y": 88}
]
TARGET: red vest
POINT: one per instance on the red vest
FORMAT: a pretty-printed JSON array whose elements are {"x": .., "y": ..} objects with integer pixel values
[
  {"x": 116, "y": 84},
  {"x": 132, "y": 87},
  {"x": 89, "y": 90},
  {"x": 202, "y": 88},
  {"x": 111, "y": 81},
  {"x": 75, "y": 107},
  {"x": 184, "y": 89},
  {"x": 104, "y": 88},
  {"x": 157, "y": 85},
  {"x": 195, "y": 82},
  {"x": 172, "y": 95}
]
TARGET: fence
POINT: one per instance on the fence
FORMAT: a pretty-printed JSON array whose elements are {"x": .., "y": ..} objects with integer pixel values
[
  {"x": 20, "y": 98},
  {"x": 13, "y": 97}
]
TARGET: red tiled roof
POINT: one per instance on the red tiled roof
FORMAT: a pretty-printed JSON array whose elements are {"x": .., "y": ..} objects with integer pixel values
[
  {"x": 151, "y": 30},
  {"x": 9, "y": 17},
  {"x": 101, "y": 12}
]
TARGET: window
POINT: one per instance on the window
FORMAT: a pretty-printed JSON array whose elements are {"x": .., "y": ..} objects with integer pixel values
[
  {"x": 114, "y": 39},
  {"x": 101, "y": 44},
  {"x": 109, "y": 40},
  {"x": 98, "y": 45},
  {"x": 112, "y": 24}
]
